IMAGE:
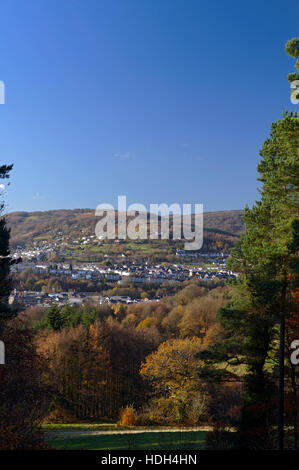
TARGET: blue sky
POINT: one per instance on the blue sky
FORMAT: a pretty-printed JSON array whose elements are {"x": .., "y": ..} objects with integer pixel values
[{"x": 159, "y": 100}]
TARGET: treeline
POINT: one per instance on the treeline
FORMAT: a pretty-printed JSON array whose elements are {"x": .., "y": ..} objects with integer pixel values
[
  {"x": 30, "y": 280},
  {"x": 95, "y": 355},
  {"x": 94, "y": 371}
]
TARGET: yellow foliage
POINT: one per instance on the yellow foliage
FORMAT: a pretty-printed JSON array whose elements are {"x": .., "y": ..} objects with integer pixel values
[
  {"x": 174, "y": 364},
  {"x": 128, "y": 416},
  {"x": 147, "y": 323}
]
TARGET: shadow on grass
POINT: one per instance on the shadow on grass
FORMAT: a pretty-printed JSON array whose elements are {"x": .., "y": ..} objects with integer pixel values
[{"x": 192, "y": 440}]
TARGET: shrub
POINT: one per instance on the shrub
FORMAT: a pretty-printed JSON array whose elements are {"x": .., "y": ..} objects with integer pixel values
[
  {"x": 128, "y": 416},
  {"x": 60, "y": 415}
]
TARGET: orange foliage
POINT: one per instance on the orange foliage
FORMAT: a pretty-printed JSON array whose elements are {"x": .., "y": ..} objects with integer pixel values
[{"x": 128, "y": 416}]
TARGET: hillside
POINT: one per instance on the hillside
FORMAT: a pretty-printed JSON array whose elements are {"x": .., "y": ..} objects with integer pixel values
[
  {"x": 32, "y": 227},
  {"x": 228, "y": 221}
]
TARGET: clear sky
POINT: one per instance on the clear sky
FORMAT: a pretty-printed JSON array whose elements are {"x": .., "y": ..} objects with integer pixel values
[{"x": 159, "y": 100}]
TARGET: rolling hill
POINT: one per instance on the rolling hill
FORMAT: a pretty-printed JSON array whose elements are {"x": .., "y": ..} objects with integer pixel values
[{"x": 29, "y": 227}]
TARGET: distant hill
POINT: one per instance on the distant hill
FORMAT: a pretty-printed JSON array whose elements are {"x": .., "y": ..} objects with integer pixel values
[
  {"x": 227, "y": 221},
  {"x": 29, "y": 227}
]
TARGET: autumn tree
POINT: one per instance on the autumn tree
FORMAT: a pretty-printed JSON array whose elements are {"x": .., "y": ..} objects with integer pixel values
[
  {"x": 94, "y": 370},
  {"x": 172, "y": 370}
]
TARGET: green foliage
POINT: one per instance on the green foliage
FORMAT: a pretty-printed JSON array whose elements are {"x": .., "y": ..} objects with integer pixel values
[
  {"x": 263, "y": 250},
  {"x": 69, "y": 316},
  {"x": 5, "y": 259},
  {"x": 292, "y": 77},
  {"x": 263, "y": 257},
  {"x": 54, "y": 318},
  {"x": 292, "y": 47}
]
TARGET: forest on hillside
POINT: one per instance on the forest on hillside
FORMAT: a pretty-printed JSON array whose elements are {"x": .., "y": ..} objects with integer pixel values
[{"x": 29, "y": 227}]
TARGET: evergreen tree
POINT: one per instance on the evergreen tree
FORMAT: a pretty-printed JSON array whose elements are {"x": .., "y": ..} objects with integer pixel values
[
  {"x": 23, "y": 399},
  {"x": 5, "y": 259},
  {"x": 264, "y": 253},
  {"x": 263, "y": 259},
  {"x": 292, "y": 48},
  {"x": 54, "y": 318}
]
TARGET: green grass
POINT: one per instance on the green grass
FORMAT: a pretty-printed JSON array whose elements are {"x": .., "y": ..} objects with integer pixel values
[
  {"x": 145, "y": 441},
  {"x": 45, "y": 236},
  {"x": 96, "y": 426}
]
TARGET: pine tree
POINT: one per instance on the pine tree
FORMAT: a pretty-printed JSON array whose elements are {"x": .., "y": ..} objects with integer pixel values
[
  {"x": 23, "y": 399},
  {"x": 292, "y": 48},
  {"x": 255, "y": 322},
  {"x": 54, "y": 318},
  {"x": 5, "y": 259},
  {"x": 265, "y": 248}
]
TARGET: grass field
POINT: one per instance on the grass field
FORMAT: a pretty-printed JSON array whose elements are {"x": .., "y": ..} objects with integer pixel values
[
  {"x": 108, "y": 437},
  {"x": 146, "y": 441}
]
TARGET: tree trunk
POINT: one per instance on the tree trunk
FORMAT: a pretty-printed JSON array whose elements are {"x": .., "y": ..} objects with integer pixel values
[{"x": 281, "y": 384}]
